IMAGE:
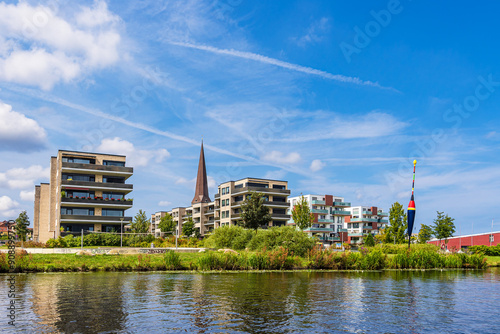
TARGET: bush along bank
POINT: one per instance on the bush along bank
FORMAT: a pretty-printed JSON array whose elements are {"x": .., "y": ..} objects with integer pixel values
[{"x": 275, "y": 259}]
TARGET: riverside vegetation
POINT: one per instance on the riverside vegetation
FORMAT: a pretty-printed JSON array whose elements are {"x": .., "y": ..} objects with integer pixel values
[{"x": 280, "y": 248}]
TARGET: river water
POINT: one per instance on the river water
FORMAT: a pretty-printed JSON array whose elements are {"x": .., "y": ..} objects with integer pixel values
[{"x": 270, "y": 302}]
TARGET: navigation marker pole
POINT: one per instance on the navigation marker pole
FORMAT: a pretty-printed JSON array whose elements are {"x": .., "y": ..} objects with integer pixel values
[{"x": 411, "y": 206}]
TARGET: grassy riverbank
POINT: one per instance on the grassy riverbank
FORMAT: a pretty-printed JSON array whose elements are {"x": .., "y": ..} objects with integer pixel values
[{"x": 277, "y": 259}]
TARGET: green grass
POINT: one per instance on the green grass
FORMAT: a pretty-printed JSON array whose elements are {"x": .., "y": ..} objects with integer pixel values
[{"x": 493, "y": 261}]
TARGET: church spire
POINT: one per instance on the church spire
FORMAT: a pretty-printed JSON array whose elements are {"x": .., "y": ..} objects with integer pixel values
[{"x": 201, "y": 192}]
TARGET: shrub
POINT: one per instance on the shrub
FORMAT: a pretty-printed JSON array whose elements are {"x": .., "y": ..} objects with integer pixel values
[
  {"x": 486, "y": 250},
  {"x": 234, "y": 237},
  {"x": 172, "y": 260},
  {"x": 287, "y": 237},
  {"x": 31, "y": 244}
]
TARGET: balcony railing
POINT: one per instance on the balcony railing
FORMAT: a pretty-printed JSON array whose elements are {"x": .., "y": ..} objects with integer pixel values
[
  {"x": 94, "y": 219},
  {"x": 341, "y": 213},
  {"x": 100, "y": 169},
  {"x": 318, "y": 202},
  {"x": 346, "y": 204},
  {"x": 98, "y": 202},
  {"x": 325, "y": 220},
  {"x": 279, "y": 216},
  {"x": 362, "y": 220},
  {"x": 319, "y": 229},
  {"x": 100, "y": 185},
  {"x": 319, "y": 211},
  {"x": 261, "y": 190}
]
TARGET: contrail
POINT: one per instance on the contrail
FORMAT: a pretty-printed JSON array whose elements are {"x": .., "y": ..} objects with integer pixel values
[{"x": 283, "y": 64}]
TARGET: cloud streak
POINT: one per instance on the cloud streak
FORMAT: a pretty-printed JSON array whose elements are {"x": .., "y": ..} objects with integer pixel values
[{"x": 283, "y": 64}]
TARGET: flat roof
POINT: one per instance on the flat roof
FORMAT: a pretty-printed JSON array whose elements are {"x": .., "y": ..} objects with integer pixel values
[
  {"x": 115, "y": 155},
  {"x": 255, "y": 178}
]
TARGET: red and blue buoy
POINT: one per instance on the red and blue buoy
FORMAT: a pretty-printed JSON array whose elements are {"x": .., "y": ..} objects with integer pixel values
[{"x": 411, "y": 207}]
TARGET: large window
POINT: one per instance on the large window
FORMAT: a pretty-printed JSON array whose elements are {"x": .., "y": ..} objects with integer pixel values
[
  {"x": 112, "y": 179},
  {"x": 79, "y": 193},
  {"x": 78, "y": 177},
  {"x": 112, "y": 196},
  {"x": 113, "y": 163},
  {"x": 278, "y": 186},
  {"x": 258, "y": 185},
  {"x": 78, "y": 160},
  {"x": 112, "y": 212},
  {"x": 77, "y": 211}
]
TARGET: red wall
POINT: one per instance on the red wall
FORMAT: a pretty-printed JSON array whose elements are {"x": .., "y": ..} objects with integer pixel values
[
  {"x": 475, "y": 240},
  {"x": 328, "y": 200}
]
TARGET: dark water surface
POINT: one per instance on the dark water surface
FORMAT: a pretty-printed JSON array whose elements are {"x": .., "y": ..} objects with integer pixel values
[{"x": 269, "y": 302}]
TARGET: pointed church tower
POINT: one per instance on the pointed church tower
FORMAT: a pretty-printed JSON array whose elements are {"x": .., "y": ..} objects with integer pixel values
[{"x": 201, "y": 192}]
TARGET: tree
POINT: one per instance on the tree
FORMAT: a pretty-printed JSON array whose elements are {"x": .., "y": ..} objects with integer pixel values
[
  {"x": 301, "y": 214},
  {"x": 443, "y": 227},
  {"x": 141, "y": 223},
  {"x": 253, "y": 211},
  {"x": 22, "y": 223},
  {"x": 167, "y": 224},
  {"x": 396, "y": 231},
  {"x": 425, "y": 234},
  {"x": 369, "y": 241},
  {"x": 188, "y": 227}
]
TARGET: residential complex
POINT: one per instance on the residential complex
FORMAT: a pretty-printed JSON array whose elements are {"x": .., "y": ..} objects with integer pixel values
[
  {"x": 329, "y": 213},
  {"x": 364, "y": 220},
  {"x": 232, "y": 194},
  {"x": 87, "y": 191}
]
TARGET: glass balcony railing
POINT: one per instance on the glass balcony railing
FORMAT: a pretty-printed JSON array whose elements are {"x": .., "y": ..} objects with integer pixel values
[
  {"x": 319, "y": 211},
  {"x": 318, "y": 202}
]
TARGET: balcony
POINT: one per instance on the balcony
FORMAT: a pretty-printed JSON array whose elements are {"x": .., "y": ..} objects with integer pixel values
[
  {"x": 216, "y": 196},
  {"x": 319, "y": 211},
  {"x": 345, "y": 204},
  {"x": 363, "y": 220},
  {"x": 97, "y": 202},
  {"x": 319, "y": 229},
  {"x": 382, "y": 214},
  {"x": 325, "y": 221},
  {"x": 121, "y": 187},
  {"x": 244, "y": 190},
  {"x": 367, "y": 227},
  {"x": 97, "y": 169},
  {"x": 355, "y": 234},
  {"x": 318, "y": 202},
  {"x": 209, "y": 212},
  {"x": 280, "y": 216},
  {"x": 94, "y": 219},
  {"x": 341, "y": 213}
]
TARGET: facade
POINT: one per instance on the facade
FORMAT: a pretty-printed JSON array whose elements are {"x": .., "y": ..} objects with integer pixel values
[
  {"x": 465, "y": 241},
  {"x": 329, "y": 213},
  {"x": 87, "y": 191},
  {"x": 231, "y": 195},
  {"x": 364, "y": 220}
]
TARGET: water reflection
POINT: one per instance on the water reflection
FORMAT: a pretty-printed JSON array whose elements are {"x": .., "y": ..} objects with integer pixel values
[{"x": 270, "y": 302}]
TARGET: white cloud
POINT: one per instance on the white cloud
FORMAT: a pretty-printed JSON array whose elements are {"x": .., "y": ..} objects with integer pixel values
[
  {"x": 8, "y": 207},
  {"x": 27, "y": 195},
  {"x": 283, "y": 64},
  {"x": 40, "y": 47},
  {"x": 280, "y": 158},
  {"x": 23, "y": 178},
  {"x": 276, "y": 174},
  {"x": 19, "y": 133},
  {"x": 164, "y": 203},
  {"x": 183, "y": 180},
  {"x": 328, "y": 126},
  {"x": 493, "y": 135},
  {"x": 315, "y": 32},
  {"x": 135, "y": 157},
  {"x": 316, "y": 165}
]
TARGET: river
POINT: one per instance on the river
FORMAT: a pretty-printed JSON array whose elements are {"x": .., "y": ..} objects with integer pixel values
[{"x": 449, "y": 301}]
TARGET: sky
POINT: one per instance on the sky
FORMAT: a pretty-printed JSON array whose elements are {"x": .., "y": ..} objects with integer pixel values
[{"x": 334, "y": 97}]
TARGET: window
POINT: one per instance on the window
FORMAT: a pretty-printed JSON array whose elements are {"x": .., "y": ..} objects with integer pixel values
[
  {"x": 79, "y": 193},
  {"x": 258, "y": 185},
  {"x": 223, "y": 203},
  {"x": 279, "y": 199},
  {"x": 223, "y": 191},
  {"x": 77, "y": 211},
  {"x": 110, "y": 179},
  {"x": 78, "y": 160},
  {"x": 113, "y": 196},
  {"x": 278, "y": 186},
  {"x": 223, "y": 214},
  {"x": 238, "y": 186},
  {"x": 227, "y": 214},
  {"x": 113, "y": 163},
  {"x": 112, "y": 212},
  {"x": 279, "y": 211},
  {"x": 227, "y": 201},
  {"x": 78, "y": 177},
  {"x": 227, "y": 190}
]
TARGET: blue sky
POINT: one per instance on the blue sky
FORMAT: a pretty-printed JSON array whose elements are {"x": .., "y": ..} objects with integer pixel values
[{"x": 334, "y": 97}]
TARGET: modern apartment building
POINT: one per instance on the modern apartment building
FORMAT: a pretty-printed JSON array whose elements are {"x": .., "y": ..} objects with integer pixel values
[
  {"x": 87, "y": 191},
  {"x": 232, "y": 194},
  {"x": 329, "y": 213},
  {"x": 364, "y": 220}
]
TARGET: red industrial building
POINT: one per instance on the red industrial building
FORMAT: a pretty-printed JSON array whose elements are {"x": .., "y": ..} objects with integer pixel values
[{"x": 465, "y": 241}]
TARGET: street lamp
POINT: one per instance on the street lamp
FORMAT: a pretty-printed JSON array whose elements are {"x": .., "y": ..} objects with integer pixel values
[{"x": 121, "y": 232}]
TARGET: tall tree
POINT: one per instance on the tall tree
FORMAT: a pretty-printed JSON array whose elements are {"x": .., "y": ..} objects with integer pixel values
[
  {"x": 253, "y": 211},
  {"x": 443, "y": 226},
  {"x": 22, "y": 223},
  {"x": 140, "y": 223},
  {"x": 425, "y": 234},
  {"x": 369, "y": 240},
  {"x": 301, "y": 214},
  {"x": 396, "y": 231},
  {"x": 188, "y": 227},
  {"x": 167, "y": 224}
]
